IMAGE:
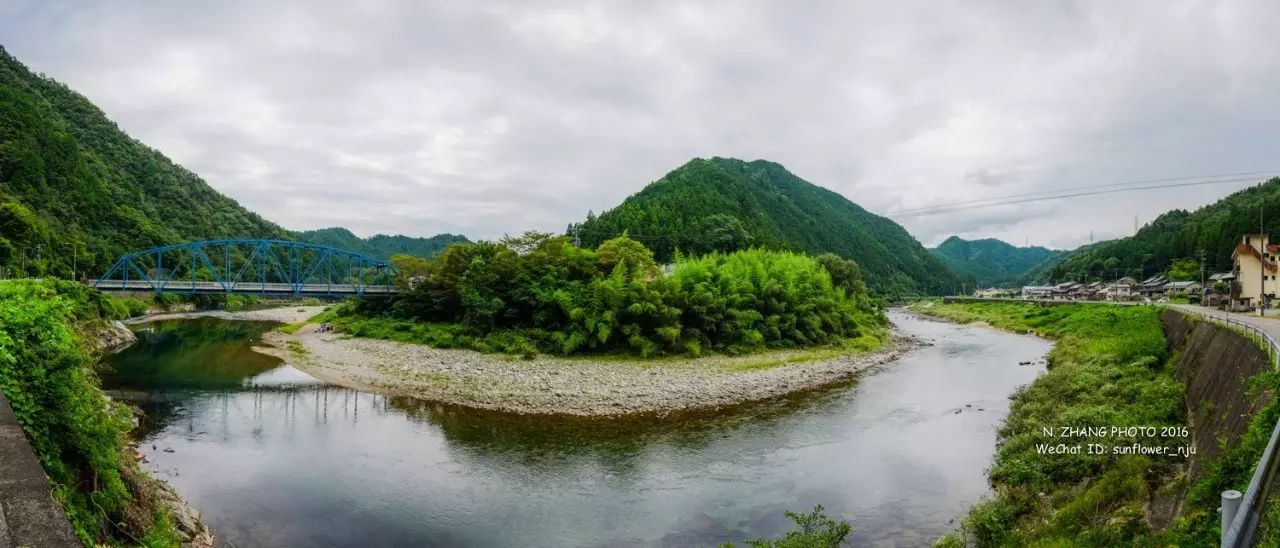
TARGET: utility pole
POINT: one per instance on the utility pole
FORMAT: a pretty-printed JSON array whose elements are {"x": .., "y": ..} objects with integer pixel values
[
  {"x": 1202, "y": 275},
  {"x": 1262, "y": 267}
]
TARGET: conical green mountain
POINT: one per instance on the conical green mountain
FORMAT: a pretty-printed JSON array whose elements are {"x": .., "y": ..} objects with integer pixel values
[
  {"x": 724, "y": 203},
  {"x": 989, "y": 261}
]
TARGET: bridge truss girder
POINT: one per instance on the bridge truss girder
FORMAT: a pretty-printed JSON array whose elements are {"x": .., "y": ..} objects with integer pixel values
[{"x": 249, "y": 266}]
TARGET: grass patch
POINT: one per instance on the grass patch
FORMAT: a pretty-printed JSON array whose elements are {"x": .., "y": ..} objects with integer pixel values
[
  {"x": 1108, "y": 368},
  {"x": 297, "y": 348},
  {"x": 292, "y": 328}
]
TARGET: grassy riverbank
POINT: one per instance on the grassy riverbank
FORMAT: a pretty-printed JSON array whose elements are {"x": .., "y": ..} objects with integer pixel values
[
  {"x": 1107, "y": 368},
  {"x": 1110, "y": 366},
  {"x": 80, "y": 436}
]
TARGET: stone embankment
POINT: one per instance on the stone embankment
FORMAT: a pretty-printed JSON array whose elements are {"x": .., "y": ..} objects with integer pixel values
[{"x": 571, "y": 386}]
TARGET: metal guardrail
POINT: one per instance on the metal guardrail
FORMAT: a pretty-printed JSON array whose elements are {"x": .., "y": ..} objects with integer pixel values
[{"x": 1241, "y": 514}]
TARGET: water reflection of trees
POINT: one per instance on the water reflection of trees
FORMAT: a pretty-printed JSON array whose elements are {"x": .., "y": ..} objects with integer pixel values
[
  {"x": 204, "y": 353},
  {"x": 542, "y": 441},
  {"x": 612, "y": 443}
]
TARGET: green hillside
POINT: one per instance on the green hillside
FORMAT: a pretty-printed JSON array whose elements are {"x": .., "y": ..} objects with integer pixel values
[
  {"x": 989, "y": 261},
  {"x": 69, "y": 177},
  {"x": 381, "y": 245},
  {"x": 1178, "y": 234},
  {"x": 723, "y": 204}
]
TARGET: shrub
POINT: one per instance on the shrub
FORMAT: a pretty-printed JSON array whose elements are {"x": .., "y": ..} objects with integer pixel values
[
  {"x": 556, "y": 297},
  {"x": 44, "y": 372}
]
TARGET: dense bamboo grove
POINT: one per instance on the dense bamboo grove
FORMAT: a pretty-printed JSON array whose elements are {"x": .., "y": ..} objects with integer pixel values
[{"x": 542, "y": 293}]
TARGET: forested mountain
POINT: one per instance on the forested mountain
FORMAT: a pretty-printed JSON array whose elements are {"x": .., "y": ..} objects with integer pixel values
[
  {"x": 381, "y": 245},
  {"x": 724, "y": 204},
  {"x": 989, "y": 261},
  {"x": 70, "y": 178},
  {"x": 1179, "y": 236}
]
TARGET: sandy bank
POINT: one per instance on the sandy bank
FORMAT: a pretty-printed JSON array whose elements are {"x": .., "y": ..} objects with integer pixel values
[
  {"x": 287, "y": 314},
  {"x": 572, "y": 386}
]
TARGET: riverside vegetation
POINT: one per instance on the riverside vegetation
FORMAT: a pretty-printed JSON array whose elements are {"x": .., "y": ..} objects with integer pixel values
[
  {"x": 80, "y": 436},
  {"x": 539, "y": 293},
  {"x": 1110, "y": 366}
]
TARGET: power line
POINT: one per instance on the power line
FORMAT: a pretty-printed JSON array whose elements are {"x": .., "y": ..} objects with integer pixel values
[
  {"x": 948, "y": 209},
  {"x": 1252, "y": 174}
]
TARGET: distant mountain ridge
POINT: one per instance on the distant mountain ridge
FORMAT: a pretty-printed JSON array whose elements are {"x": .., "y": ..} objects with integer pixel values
[
  {"x": 1178, "y": 234},
  {"x": 381, "y": 245},
  {"x": 992, "y": 262},
  {"x": 725, "y": 203}
]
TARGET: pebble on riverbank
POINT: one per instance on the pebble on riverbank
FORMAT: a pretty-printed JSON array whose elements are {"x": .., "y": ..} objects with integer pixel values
[{"x": 568, "y": 386}]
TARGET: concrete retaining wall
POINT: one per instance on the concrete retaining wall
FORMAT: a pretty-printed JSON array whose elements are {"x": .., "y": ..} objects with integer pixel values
[{"x": 28, "y": 514}]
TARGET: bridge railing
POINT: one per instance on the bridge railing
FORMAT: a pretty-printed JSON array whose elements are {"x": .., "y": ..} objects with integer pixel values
[{"x": 249, "y": 266}]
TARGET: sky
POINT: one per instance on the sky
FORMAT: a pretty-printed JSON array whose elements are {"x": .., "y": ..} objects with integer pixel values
[{"x": 493, "y": 117}]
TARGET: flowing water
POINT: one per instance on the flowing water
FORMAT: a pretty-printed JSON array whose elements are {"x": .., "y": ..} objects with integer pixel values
[{"x": 273, "y": 457}]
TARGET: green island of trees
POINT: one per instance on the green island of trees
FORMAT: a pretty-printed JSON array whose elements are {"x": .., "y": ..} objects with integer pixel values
[{"x": 539, "y": 293}]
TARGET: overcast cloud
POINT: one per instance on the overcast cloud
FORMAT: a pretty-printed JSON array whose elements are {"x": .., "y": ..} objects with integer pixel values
[{"x": 485, "y": 118}]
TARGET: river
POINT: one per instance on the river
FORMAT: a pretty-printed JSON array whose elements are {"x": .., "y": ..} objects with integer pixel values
[{"x": 272, "y": 457}]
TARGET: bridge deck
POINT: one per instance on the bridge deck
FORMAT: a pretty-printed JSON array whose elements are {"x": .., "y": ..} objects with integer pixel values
[{"x": 182, "y": 286}]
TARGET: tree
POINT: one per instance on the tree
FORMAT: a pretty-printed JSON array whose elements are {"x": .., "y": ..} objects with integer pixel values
[
  {"x": 526, "y": 242},
  {"x": 1110, "y": 265},
  {"x": 724, "y": 233},
  {"x": 844, "y": 273},
  {"x": 625, "y": 251},
  {"x": 410, "y": 270},
  {"x": 1184, "y": 270}
]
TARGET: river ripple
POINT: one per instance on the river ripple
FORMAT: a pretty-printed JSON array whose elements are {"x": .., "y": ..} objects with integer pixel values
[{"x": 272, "y": 457}]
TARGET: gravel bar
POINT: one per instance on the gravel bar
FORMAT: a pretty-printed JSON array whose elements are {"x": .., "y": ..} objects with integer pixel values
[{"x": 566, "y": 386}]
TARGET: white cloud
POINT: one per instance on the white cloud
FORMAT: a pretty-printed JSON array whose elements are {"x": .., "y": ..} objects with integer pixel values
[{"x": 493, "y": 117}]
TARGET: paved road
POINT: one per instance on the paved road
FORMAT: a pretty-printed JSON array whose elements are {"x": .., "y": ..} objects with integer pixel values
[
  {"x": 28, "y": 514},
  {"x": 1269, "y": 324}
]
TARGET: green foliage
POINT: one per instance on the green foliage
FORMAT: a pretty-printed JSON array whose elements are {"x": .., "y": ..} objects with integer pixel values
[
  {"x": 845, "y": 273},
  {"x": 815, "y": 530},
  {"x": 635, "y": 259},
  {"x": 990, "y": 262},
  {"x": 69, "y": 178},
  {"x": 1107, "y": 368},
  {"x": 78, "y": 433},
  {"x": 723, "y": 204},
  {"x": 381, "y": 246},
  {"x": 1184, "y": 269},
  {"x": 559, "y": 298},
  {"x": 71, "y": 182},
  {"x": 1178, "y": 234}
]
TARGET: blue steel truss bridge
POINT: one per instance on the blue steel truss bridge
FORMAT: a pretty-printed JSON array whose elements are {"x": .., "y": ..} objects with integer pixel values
[{"x": 249, "y": 266}]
